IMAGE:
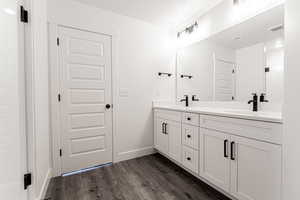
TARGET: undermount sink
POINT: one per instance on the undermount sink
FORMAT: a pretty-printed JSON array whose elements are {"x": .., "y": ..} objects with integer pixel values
[{"x": 251, "y": 113}]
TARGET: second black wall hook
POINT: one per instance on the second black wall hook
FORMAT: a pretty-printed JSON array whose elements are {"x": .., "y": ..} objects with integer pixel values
[{"x": 164, "y": 73}]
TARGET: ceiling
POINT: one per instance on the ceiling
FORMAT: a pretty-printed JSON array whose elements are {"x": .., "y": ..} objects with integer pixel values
[
  {"x": 253, "y": 31},
  {"x": 168, "y": 13}
]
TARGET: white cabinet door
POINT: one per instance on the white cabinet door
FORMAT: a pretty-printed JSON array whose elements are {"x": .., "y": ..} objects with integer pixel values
[
  {"x": 173, "y": 130},
  {"x": 214, "y": 158},
  {"x": 255, "y": 170},
  {"x": 161, "y": 137}
]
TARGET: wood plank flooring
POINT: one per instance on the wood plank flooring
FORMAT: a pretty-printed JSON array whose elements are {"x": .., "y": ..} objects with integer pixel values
[{"x": 148, "y": 178}]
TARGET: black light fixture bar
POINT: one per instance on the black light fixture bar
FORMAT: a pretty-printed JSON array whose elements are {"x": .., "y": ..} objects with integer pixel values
[{"x": 188, "y": 29}]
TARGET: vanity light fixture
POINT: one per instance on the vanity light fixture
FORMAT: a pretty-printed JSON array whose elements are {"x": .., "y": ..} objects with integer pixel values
[
  {"x": 190, "y": 29},
  {"x": 276, "y": 28},
  {"x": 235, "y": 2}
]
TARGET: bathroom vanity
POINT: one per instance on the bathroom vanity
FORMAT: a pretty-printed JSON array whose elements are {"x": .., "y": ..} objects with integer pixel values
[
  {"x": 211, "y": 129},
  {"x": 238, "y": 152}
]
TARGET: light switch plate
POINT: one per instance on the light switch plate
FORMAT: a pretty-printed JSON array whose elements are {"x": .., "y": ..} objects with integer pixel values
[{"x": 123, "y": 92}]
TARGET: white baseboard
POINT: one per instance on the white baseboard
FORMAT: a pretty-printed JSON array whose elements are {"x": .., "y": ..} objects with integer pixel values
[
  {"x": 45, "y": 185},
  {"x": 134, "y": 154}
]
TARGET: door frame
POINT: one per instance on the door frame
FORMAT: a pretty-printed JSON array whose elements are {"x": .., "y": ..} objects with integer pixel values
[{"x": 53, "y": 33}]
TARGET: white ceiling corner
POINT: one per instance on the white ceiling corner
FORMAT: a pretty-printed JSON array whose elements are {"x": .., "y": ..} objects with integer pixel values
[{"x": 167, "y": 13}]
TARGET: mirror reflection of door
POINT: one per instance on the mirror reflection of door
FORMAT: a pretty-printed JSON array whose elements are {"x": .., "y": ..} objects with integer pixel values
[
  {"x": 224, "y": 80},
  {"x": 274, "y": 70}
]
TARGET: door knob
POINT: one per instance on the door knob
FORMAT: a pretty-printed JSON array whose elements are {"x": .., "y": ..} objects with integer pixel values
[{"x": 107, "y": 106}]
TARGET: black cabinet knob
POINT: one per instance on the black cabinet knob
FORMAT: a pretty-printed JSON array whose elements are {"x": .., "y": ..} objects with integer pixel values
[
  {"x": 189, "y": 136},
  {"x": 107, "y": 106},
  {"x": 189, "y": 119},
  {"x": 188, "y": 158}
]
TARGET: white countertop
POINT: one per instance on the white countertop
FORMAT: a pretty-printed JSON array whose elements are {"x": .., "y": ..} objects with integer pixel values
[{"x": 266, "y": 116}]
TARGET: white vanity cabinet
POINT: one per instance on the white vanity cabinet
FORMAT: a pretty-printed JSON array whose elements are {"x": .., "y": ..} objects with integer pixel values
[
  {"x": 214, "y": 158},
  {"x": 240, "y": 157},
  {"x": 161, "y": 138},
  {"x": 190, "y": 142},
  {"x": 167, "y": 135},
  {"x": 255, "y": 170}
]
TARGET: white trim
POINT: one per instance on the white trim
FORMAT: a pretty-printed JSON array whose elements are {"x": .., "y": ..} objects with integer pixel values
[
  {"x": 127, "y": 155},
  {"x": 22, "y": 37},
  {"x": 45, "y": 185},
  {"x": 54, "y": 106},
  {"x": 54, "y": 90}
]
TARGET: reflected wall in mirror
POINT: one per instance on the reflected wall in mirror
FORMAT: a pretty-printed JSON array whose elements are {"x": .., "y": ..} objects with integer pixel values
[{"x": 231, "y": 65}]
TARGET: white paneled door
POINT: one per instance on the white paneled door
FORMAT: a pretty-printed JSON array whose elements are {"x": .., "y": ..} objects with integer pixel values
[
  {"x": 224, "y": 80},
  {"x": 86, "y": 113},
  {"x": 13, "y": 158}
]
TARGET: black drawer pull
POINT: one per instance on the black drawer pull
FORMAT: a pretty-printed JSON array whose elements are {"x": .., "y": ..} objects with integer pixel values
[
  {"x": 189, "y": 119},
  {"x": 225, "y": 148},
  {"x": 188, "y": 158},
  {"x": 166, "y": 128},
  {"x": 232, "y": 151},
  {"x": 189, "y": 136}
]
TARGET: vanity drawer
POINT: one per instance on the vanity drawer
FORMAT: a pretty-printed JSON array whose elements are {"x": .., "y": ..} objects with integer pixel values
[
  {"x": 190, "y": 158},
  {"x": 168, "y": 115},
  {"x": 190, "y": 118},
  {"x": 265, "y": 131},
  {"x": 190, "y": 136}
]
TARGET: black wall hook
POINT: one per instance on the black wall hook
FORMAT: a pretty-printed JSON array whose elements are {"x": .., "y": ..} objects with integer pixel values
[
  {"x": 186, "y": 76},
  {"x": 163, "y": 73}
]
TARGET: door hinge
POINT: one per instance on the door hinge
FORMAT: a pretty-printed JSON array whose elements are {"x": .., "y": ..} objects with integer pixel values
[
  {"x": 232, "y": 98},
  {"x": 60, "y": 152},
  {"x": 24, "y": 15},
  {"x": 59, "y": 97},
  {"x": 57, "y": 41},
  {"x": 27, "y": 180},
  {"x": 233, "y": 71}
]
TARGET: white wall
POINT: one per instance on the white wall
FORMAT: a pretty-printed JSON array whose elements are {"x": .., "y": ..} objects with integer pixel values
[
  {"x": 38, "y": 98},
  {"x": 250, "y": 76},
  {"x": 142, "y": 51},
  {"x": 198, "y": 60},
  {"x": 291, "y": 111}
]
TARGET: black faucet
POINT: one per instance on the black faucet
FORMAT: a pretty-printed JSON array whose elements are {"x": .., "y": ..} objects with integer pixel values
[
  {"x": 254, "y": 101},
  {"x": 262, "y": 98},
  {"x": 186, "y": 99},
  {"x": 194, "y": 98}
]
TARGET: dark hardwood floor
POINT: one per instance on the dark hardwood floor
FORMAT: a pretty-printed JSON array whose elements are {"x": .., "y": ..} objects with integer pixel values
[{"x": 148, "y": 178}]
